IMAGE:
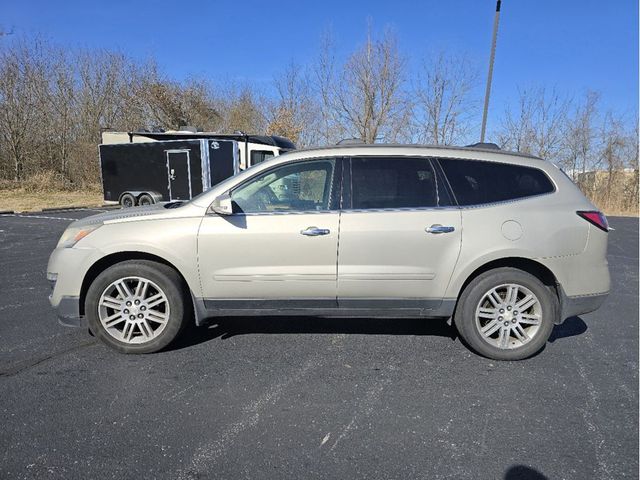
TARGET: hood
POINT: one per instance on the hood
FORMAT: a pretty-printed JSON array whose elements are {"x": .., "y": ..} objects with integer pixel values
[{"x": 133, "y": 213}]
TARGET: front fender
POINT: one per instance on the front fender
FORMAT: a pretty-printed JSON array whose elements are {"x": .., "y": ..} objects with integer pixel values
[{"x": 172, "y": 240}]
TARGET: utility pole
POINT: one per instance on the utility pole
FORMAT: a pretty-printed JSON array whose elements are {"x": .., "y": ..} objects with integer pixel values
[{"x": 487, "y": 93}]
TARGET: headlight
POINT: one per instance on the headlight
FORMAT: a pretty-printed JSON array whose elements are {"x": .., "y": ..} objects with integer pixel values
[{"x": 73, "y": 235}]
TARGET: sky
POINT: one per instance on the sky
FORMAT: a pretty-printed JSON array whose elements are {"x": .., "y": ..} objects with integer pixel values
[{"x": 569, "y": 45}]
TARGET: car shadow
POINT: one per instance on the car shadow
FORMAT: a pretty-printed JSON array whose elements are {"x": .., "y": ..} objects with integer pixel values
[
  {"x": 521, "y": 472},
  {"x": 227, "y": 327},
  {"x": 571, "y": 327}
]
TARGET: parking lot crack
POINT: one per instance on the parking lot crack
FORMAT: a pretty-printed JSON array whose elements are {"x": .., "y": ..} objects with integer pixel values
[{"x": 21, "y": 366}]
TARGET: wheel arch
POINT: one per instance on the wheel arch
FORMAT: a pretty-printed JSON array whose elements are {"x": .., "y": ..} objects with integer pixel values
[
  {"x": 109, "y": 260},
  {"x": 533, "y": 267},
  {"x": 155, "y": 196}
]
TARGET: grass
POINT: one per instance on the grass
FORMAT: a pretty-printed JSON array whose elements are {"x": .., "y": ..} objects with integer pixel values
[
  {"x": 616, "y": 209},
  {"x": 21, "y": 200},
  {"x": 620, "y": 213}
]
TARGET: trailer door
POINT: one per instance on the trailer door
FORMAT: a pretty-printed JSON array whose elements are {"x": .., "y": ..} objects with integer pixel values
[
  {"x": 223, "y": 160},
  {"x": 179, "y": 172}
]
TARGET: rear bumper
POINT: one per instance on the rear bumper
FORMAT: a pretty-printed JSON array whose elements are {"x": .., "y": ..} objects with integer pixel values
[{"x": 580, "y": 304}]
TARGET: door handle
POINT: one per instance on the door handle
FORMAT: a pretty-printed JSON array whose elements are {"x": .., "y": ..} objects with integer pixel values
[
  {"x": 315, "y": 231},
  {"x": 437, "y": 228}
]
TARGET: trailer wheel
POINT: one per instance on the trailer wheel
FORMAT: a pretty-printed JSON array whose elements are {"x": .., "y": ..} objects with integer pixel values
[
  {"x": 146, "y": 199},
  {"x": 127, "y": 200}
]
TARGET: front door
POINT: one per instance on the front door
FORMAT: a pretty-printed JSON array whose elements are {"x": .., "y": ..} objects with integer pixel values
[
  {"x": 398, "y": 242},
  {"x": 279, "y": 247},
  {"x": 179, "y": 172}
]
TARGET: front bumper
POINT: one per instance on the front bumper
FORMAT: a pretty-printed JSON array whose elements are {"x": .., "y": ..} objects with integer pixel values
[
  {"x": 68, "y": 311},
  {"x": 66, "y": 270}
]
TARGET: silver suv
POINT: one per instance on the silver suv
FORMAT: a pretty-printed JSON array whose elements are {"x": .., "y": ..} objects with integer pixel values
[{"x": 504, "y": 243}]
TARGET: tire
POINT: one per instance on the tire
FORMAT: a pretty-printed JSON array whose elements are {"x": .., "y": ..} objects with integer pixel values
[
  {"x": 132, "y": 318},
  {"x": 146, "y": 199},
  {"x": 514, "y": 329},
  {"x": 127, "y": 200}
]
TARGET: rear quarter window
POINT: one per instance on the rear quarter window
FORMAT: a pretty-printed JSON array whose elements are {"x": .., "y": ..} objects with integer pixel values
[{"x": 475, "y": 182}]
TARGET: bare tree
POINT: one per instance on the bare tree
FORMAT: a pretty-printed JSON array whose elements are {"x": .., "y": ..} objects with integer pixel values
[
  {"x": 242, "y": 110},
  {"x": 325, "y": 72},
  {"x": 171, "y": 105},
  {"x": 612, "y": 155},
  {"x": 294, "y": 113},
  {"x": 102, "y": 78},
  {"x": 537, "y": 125},
  {"x": 580, "y": 135},
  {"x": 634, "y": 155},
  {"x": 443, "y": 107},
  {"x": 18, "y": 105},
  {"x": 551, "y": 111},
  {"x": 515, "y": 133},
  {"x": 57, "y": 96},
  {"x": 364, "y": 97}
]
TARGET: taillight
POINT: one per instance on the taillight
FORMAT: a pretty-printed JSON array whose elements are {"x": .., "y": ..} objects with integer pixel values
[{"x": 596, "y": 218}]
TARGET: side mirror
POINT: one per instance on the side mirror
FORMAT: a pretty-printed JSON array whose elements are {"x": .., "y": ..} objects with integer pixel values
[{"x": 222, "y": 205}]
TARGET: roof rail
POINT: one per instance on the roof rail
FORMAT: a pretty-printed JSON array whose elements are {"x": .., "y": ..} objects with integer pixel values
[
  {"x": 485, "y": 145},
  {"x": 350, "y": 141}
]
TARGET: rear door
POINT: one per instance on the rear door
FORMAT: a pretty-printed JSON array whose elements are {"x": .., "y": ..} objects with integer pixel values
[{"x": 400, "y": 238}]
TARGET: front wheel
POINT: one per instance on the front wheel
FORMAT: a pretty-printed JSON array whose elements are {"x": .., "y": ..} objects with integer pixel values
[
  {"x": 137, "y": 306},
  {"x": 506, "y": 314}
]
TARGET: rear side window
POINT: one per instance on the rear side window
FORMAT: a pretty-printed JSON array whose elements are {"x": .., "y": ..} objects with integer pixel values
[
  {"x": 398, "y": 182},
  {"x": 476, "y": 182}
]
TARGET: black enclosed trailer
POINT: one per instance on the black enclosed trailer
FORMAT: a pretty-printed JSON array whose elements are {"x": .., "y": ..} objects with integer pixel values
[
  {"x": 163, "y": 167},
  {"x": 152, "y": 172}
]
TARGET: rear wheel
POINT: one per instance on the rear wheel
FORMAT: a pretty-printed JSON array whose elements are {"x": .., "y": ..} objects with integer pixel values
[
  {"x": 137, "y": 306},
  {"x": 506, "y": 314},
  {"x": 145, "y": 199},
  {"x": 127, "y": 200}
]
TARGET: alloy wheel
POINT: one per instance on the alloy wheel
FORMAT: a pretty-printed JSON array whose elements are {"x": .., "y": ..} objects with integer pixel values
[
  {"x": 133, "y": 310},
  {"x": 508, "y": 316}
]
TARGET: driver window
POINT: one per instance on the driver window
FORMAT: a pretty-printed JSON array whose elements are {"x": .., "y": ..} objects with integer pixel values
[{"x": 298, "y": 187}]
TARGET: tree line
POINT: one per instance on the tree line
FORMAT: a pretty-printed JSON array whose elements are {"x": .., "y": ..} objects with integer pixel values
[{"x": 55, "y": 102}]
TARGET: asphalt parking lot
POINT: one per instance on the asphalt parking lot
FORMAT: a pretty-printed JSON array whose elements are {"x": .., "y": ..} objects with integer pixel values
[{"x": 301, "y": 398}]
